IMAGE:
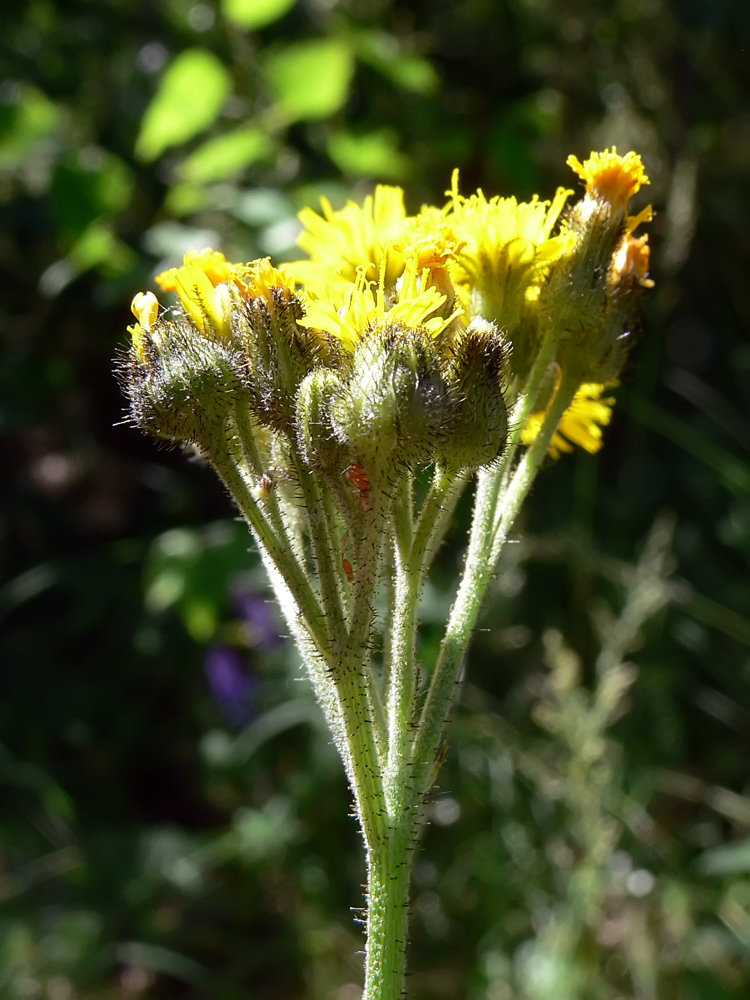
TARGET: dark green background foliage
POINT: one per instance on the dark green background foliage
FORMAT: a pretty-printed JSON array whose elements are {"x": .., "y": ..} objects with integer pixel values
[{"x": 152, "y": 846}]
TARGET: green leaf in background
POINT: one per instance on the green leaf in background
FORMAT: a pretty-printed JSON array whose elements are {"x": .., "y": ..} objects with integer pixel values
[
  {"x": 727, "y": 859},
  {"x": 26, "y": 117},
  {"x": 252, "y": 14},
  {"x": 225, "y": 156},
  {"x": 374, "y": 154},
  {"x": 184, "y": 199},
  {"x": 190, "y": 96},
  {"x": 89, "y": 186},
  {"x": 311, "y": 79},
  {"x": 406, "y": 70},
  {"x": 188, "y": 570},
  {"x": 99, "y": 247}
]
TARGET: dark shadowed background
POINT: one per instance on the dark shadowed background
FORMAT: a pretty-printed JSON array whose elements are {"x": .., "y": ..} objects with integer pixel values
[{"x": 174, "y": 819}]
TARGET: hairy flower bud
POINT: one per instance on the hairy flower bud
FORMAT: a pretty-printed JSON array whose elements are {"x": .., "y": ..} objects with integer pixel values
[
  {"x": 181, "y": 386},
  {"x": 395, "y": 407},
  {"x": 316, "y": 437},
  {"x": 281, "y": 353},
  {"x": 582, "y": 293},
  {"x": 479, "y": 424}
]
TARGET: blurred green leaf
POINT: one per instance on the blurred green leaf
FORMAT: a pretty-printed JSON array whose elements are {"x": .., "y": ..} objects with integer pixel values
[
  {"x": 727, "y": 859},
  {"x": 406, "y": 70},
  {"x": 87, "y": 187},
  {"x": 173, "y": 963},
  {"x": 188, "y": 570},
  {"x": 730, "y": 470},
  {"x": 374, "y": 154},
  {"x": 225, "y": 156},
  {"x": 24, "y": 121},
  {"x": 99, "y": 247},
  {"x": 311, "y": 79},
  {"x": 190, "y": 96},
  {"x": 184, "y": 199},
  {"x": 254, "y": 14}
]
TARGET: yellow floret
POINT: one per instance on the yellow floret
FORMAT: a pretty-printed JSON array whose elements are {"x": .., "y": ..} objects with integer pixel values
[{"x": 610, "y": 177}]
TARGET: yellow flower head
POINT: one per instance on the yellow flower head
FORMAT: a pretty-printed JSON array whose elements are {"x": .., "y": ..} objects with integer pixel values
[
  {"x": 610, "y": 177},
  {"x": 429, "y": 239},
  {"x": 261, "y": 280},
  {"x": 213, "y": 263},
  {"x": 145, "y": 307},
  {"x": 202, "y": 284},
  {"x": 581, "y": 424},
  {"x": 428, "y": 244},
  {"x": 505, "y": 246},
  {"x": 341, "y": 243},
  {"x": 630, "y": 264},
  {"x": 349, "y": 311}
]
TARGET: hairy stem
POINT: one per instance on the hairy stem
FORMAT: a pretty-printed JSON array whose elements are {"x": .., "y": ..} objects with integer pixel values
[
  {"x": 488, "y": 533},
  {"x": 277, "y": 549},
  {"x": 389, "y": 877}
]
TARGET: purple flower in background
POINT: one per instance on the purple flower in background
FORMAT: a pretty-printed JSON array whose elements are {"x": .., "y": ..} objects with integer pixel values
[
  {"x": 259, "y": 617},
  {"x": 232, "y": 688}
]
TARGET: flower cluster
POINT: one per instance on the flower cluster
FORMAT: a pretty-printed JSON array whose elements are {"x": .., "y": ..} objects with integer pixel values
[
  {"x": 402, "y": 340},
  {"x": 477, "y": 336}
]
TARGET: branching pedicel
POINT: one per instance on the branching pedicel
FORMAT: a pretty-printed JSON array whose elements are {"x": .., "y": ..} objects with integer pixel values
[{"x": 465, "y": 340}]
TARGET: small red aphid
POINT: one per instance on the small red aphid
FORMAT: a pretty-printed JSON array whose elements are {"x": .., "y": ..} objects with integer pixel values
[
  {"x": 358, "y": 478},
  {"x": 349, "y": 570}
]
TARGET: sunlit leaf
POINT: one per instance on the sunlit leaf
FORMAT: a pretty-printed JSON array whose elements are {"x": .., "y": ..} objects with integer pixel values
[
  {"x": 191, "y": 94},
  {"x": 184, "y": 199},
  {"x": 311, "y": 79},
  {"x": 99, "y": 247},
  {"x": 374, "y": 154},
  {"x": 254, "y": 14},
  {"x": 225, "y": 156}
]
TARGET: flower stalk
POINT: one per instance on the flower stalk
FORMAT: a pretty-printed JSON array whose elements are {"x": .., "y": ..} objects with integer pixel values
[{"x": 472, "y": 341}]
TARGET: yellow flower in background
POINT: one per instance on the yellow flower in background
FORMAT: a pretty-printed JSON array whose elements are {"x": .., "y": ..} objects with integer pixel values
[
  {"x": 581, "y": 423},
  {"x": 342, "y": 242},
  {"x": 612, "y": 178}
]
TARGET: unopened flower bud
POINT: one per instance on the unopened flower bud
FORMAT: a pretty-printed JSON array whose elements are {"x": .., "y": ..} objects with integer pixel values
[
  {"x": 396, "y": 405},
  {"x": 316, "y": 436},
  {"x": 628, "y": 276},
  {"x": 181, "y": 386},
  {"x": 281, "y": 353},
  {"x": 580, "y": 292},
  {"x": 479, "y": 424}
]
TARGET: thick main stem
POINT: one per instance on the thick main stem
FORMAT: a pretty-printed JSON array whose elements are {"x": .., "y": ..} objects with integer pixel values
[{"x": 389, "y": 878}]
